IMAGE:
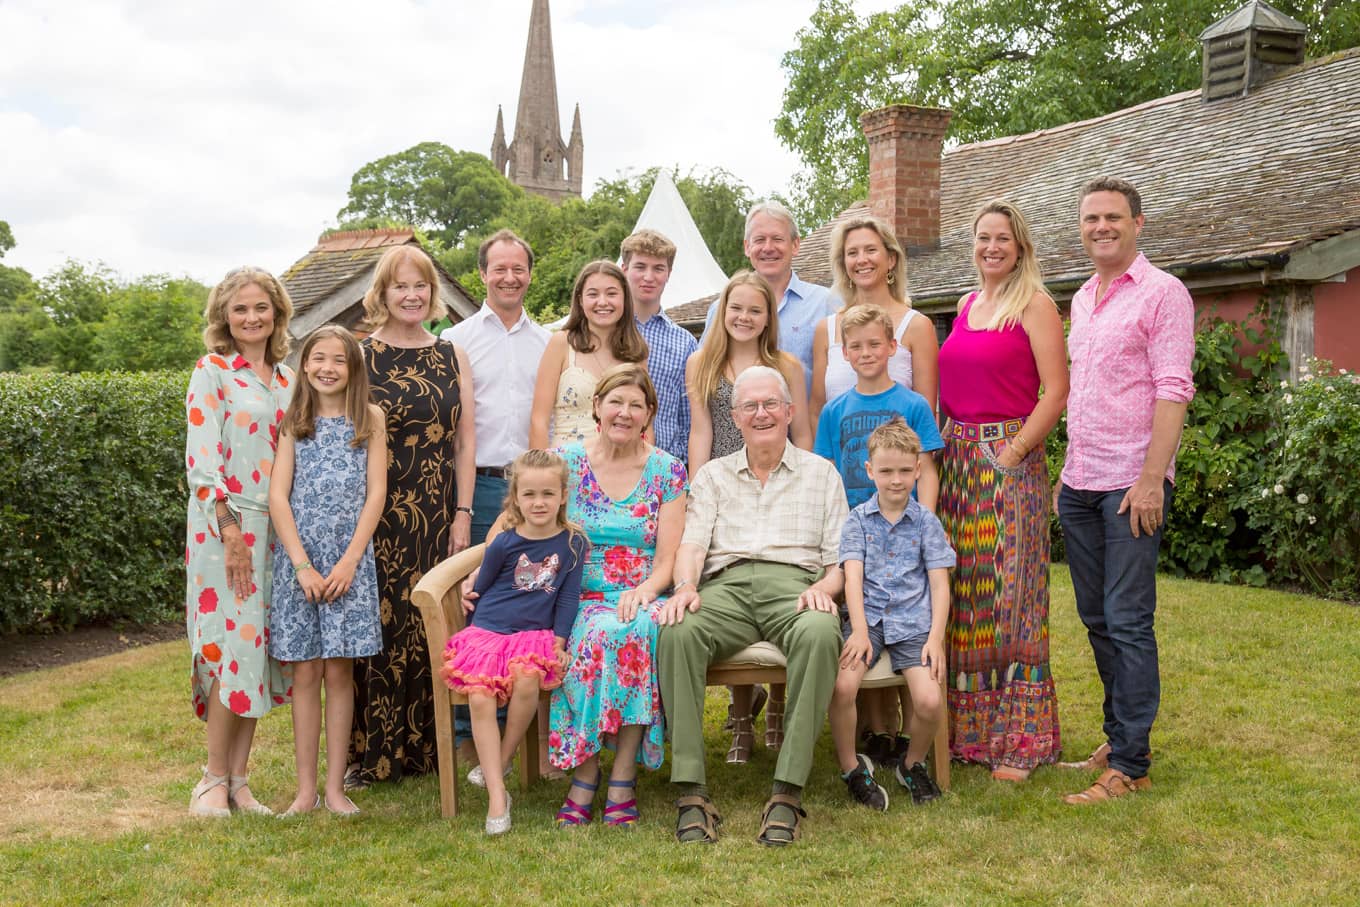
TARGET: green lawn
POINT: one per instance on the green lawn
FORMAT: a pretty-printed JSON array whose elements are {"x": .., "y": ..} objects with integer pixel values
[{"x": 1255, "y": 800}]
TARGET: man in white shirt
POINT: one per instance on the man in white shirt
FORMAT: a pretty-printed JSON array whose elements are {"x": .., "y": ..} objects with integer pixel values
[{"x": 503, "y": 346}]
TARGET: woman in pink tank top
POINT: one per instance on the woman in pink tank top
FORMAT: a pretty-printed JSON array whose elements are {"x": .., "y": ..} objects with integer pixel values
[{"x": 1006, "y": 345}]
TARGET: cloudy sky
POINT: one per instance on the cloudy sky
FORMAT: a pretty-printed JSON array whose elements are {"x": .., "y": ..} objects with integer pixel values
[{"x": 188, "y": 138}]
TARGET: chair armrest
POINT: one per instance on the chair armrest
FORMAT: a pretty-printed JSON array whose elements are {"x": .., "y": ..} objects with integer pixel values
[{"x": 439, "y": 596}]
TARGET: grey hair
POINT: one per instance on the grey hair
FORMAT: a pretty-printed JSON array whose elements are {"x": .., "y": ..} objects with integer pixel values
[
  {"x": 760, "y": 371},
  {"x": 774, "y": 209}
]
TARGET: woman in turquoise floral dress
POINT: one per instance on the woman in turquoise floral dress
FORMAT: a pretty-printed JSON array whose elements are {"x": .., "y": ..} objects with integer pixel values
[{"x": 629, "y": 498}]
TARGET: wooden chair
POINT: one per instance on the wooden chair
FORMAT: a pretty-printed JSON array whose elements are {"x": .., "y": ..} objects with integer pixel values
[
  {"x": 439, "y": 597},
  {"x": 764, "y": 663}
]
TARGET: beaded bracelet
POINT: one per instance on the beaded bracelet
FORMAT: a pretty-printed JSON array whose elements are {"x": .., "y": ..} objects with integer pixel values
[
  {"x": 305, "y": 565},
  {"x": 1020, "y": 439},
  {"x": 225, "y": 520}
]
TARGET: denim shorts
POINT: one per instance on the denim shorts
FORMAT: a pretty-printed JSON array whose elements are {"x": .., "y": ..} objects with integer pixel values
[{"x": 901, "y": 655}]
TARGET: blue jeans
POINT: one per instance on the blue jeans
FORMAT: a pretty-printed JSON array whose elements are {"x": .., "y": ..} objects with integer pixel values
[
  {"x": 487, "y": 497},
  {"x": 1114, "y": 576}
]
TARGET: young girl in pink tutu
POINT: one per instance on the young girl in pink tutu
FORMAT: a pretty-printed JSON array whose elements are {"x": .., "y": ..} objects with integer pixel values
[{"x": 514, "y": 645}]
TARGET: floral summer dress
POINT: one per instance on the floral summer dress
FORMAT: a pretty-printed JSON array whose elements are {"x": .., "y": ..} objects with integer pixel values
[
  {"x": 233, "y": 422},
  {"x": 573, "y": 416},
  {"x": 329, "y": 482},
  {"x": 418, "y": 390},
  {"x": 612, "y": 679}
]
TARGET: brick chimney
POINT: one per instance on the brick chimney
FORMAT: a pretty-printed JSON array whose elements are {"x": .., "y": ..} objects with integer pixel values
[{"x": 905, "y": 143}]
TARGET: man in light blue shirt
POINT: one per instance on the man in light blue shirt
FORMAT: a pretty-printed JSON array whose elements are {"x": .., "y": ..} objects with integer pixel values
[
  {"x": 648, "y": 258},
  {"x": 771, "y": 242}
]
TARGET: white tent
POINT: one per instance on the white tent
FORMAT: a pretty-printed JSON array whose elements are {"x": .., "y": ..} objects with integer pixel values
[{"x": 696, "y": 273}]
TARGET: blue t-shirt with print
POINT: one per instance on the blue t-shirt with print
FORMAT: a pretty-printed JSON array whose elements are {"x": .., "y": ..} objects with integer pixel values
[{"x": 846, "y": 423}]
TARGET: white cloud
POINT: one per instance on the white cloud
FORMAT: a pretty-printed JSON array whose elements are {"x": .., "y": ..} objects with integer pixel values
[{"x": 183, "y": 138}]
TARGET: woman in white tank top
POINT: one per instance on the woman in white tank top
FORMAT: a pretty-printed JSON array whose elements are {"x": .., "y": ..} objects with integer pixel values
[{"x": 870, "y": 268}]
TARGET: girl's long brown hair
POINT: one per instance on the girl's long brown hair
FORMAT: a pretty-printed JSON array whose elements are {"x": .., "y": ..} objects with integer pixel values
[
  {"x": 299, "y": 421},
  {"x": 627, "y": 343}
]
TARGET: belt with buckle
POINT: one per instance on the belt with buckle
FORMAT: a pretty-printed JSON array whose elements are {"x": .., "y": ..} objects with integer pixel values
[{"x": 494, "y": 472}]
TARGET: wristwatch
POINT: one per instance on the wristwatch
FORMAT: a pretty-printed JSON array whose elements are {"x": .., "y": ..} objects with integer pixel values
[{"x": 467, "y": 510}]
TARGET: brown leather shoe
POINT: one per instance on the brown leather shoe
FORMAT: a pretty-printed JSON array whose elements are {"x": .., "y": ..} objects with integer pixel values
[
  {"x": 1111, "y": 785},
  {"x": 1097, "y": 761}
]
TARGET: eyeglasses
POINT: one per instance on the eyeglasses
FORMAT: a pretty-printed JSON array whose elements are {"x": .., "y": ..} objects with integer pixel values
[{"x": 750, "y": 406}]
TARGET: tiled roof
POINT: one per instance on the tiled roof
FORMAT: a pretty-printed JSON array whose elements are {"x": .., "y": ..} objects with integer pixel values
[
  {"x": 341, "y": 257},
  {"x": 1232, "y": 184},
  {"x": 691, "y": 312}
]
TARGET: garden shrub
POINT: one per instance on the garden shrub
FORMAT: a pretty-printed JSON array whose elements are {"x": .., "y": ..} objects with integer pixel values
[
  {"x": 1304, "y": 504},
  {"x": 1225, "y": 438},
  {"x": 92, "y": 498}
]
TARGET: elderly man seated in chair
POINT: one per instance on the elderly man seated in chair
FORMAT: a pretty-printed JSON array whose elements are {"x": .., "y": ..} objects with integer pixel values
[{"x": 759, "y": 561}]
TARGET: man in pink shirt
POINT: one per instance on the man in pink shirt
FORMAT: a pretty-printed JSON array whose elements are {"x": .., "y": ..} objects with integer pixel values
[{"x": 1131, "y": 346}]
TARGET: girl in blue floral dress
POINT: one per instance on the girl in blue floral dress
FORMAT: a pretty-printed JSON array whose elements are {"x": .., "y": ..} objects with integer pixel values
[
  {"x": 328, "y": 489},
  {"x": 629, "y": 498}
]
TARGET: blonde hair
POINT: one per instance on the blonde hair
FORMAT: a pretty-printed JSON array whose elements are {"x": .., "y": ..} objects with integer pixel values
[
  {"x": 894, "y": 434},
  {"x": 299, "y": 421},
  {"x": 628, "y": 374},
  {"x": 897, "y": 274},
  {"x": 859, "y": 316},
  {"x": 217, "y": 333},
  {"x": 647, "y": 242},
  {"x": 626, "y": 341},
  {"x": 713, "y": 353},
  {"x": 539, "y": 459},
  {"x": 1025, "y": 280},
  {"x": 375, "y": 300}
]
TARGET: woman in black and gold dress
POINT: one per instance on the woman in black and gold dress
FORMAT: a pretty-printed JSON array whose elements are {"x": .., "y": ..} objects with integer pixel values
[{"x": 417, "y": 380}]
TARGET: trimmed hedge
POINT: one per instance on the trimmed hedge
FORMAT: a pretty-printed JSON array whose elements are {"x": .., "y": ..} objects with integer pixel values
[{"x": 92, "y": 498}]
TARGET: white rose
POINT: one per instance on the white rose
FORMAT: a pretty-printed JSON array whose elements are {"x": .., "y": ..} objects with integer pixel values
[
  {"x": 1279, "y": 489},
  {"x": 1302, "y": 498}
]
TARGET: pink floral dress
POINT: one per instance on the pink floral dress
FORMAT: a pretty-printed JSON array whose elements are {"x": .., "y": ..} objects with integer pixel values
[
  {"x": 233, "y": 421},
  {"x": 612, "y": 679}
]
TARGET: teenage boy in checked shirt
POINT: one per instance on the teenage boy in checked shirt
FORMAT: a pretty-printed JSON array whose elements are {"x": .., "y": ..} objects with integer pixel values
[{"x": 896, "y": 560}]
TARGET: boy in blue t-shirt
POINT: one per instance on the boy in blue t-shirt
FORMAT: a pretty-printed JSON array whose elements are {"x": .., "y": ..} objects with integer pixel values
[
  {"x": 844, "y": 427},
  {"x": 896, "y": 559}
]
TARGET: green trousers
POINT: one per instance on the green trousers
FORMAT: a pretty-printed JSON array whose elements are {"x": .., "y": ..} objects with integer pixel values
[{"x": 741, "y": 605}]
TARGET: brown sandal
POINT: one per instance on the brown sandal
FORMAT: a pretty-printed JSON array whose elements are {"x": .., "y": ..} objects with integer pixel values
[
  {"x": 1111, "y": 785},
  {"x": 768, "y": 824},
  {"x": 707, "y": 826},
  {"x": 743, "y": 738},
  {"x": 774, "y": 721},
  {"x": 1097, "y": 761}
]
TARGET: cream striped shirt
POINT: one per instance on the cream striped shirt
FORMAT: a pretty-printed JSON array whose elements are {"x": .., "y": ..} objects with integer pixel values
[{"x": 795, "y": 518}]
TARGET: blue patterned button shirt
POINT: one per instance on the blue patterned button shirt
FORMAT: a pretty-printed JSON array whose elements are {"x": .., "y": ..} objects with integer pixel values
[
  {"x": 803, "y": 306},
  {"x": 896, "y": 557},
  {"x": 668, "y": 349}
]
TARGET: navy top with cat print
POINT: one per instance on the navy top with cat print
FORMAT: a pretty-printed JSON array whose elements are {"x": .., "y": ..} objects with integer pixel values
[{"x": 529, "y": 584}]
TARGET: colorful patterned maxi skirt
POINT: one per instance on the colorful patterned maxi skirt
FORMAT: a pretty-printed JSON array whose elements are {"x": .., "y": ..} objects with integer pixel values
[{"x": 1003, "y": 709}]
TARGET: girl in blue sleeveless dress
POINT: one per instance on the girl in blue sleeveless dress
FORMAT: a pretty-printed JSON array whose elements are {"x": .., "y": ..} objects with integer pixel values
[{"x": 326, "y": 495}]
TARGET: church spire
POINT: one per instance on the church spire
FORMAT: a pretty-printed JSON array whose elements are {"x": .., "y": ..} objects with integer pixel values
[{"x": 537, "y": 156}]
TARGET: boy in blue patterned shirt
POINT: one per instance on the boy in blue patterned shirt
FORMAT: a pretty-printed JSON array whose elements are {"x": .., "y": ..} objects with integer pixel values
[{"x": 896, "y": 560}]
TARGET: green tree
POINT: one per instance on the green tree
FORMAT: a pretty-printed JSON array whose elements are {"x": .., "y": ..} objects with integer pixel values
[
  {"x": 445, "y": 192},
  {"x": 1004, "y": 68},
  {"x": 22, "y": 324},
  {"x": 76, "y": 298},
  {"x": 153, "y": 323},
  {"x": 14, "y": 282},
  {"x": 566, "y": 236}
]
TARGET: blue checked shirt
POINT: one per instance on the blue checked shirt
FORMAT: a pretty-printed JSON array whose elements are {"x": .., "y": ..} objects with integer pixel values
[
  {"x": 668, "y": 348},
  {"x": 803, "y": 306},
  {"x": 896, "y": 557}
]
